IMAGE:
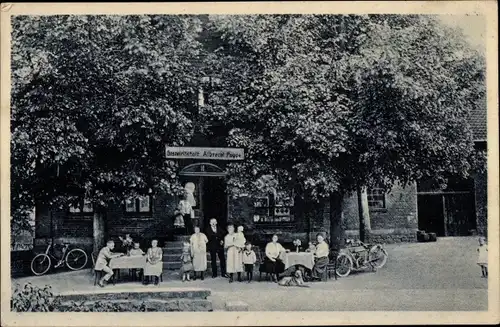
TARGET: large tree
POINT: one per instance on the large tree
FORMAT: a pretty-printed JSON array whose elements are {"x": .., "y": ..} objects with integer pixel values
[
  {"x": 333, "y": 104},
  {"x": 94, "y": 101}
]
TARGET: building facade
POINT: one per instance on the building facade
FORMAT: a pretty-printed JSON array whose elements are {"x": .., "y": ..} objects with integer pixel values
[{"x": 459, "y": 210}]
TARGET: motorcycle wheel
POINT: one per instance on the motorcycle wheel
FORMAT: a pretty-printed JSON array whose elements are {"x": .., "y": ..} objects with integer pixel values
[
  {"x": 344, "y": 265},
  {"x": 377, "y": 256}
]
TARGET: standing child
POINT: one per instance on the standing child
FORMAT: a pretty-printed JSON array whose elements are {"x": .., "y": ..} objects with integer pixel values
[
  {"x": 187, "y": 262},
  {"x": 249, "y": 259},
  {"x": 482, "y": 259}
]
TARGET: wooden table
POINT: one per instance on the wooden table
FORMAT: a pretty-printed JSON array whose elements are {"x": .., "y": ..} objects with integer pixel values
[
  {"x": 127, "y": 262},
  {"x": 305, "y": 259}
]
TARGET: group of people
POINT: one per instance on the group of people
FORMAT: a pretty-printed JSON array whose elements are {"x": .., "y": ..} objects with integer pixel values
[
  {"x": 234, "y": 252},
  {"x": 240, "y": 256},
  {"x": 236, "y": 255},
  {"x": 154, "y": 259}
]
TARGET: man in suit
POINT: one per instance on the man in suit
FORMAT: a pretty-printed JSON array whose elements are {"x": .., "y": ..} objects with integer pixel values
[{"x": 215, "y": 245}]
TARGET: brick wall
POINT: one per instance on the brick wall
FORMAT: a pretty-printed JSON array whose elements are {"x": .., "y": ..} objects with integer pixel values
[
  {"x": 397, "y": 219},
  {"x": 395, "y": 223},
  {"x": 241, "y": 212},
  {"x": 145, "y": 226}
]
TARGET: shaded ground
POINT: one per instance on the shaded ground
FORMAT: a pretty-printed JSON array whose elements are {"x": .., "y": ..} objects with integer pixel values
[{"x": 417, "y": 276}]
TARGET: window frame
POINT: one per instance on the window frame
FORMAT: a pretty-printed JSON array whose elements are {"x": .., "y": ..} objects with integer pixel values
[
  {"x": 370, "y": 194},
  {"x": 81, "y": 207},
  {"x": 137, "y": 206},
  {"x": 271, "y": 215}
]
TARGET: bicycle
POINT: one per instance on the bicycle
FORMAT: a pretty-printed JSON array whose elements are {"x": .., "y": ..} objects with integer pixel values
[
  {"x": 75, "y": 259},
  {"x": 358, "y": 256}
]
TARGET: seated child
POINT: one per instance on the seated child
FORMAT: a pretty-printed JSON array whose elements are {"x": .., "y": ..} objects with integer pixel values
[
  {"x": 249, "y": 259},
  {"x": 102, "y": 261},
  {"x": 136, "y": 251},
  {"x": 311, "y": 248}
]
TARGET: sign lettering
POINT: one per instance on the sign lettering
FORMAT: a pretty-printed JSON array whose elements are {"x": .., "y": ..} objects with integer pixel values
[{"x": 204, "y": 153}]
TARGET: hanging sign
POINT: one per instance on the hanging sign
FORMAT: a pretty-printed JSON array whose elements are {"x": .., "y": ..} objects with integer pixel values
[{"x": 204, "y": 153}]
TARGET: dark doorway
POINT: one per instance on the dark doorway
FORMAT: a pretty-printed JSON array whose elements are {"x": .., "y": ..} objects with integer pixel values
[
  {"x": 460, "y": 214},
  {"x": 447, "y": 214},
  {"x": 431, "y": 214},
  {"x": 214, "y": 200}
]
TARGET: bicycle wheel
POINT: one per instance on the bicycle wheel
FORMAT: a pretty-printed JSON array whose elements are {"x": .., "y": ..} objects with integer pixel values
[
  {"x": 344, "y": 265},
  {"x": 377, "y": 256},
  {"x": 40, "y": 264},
  {"x": 76, "y": 259}
]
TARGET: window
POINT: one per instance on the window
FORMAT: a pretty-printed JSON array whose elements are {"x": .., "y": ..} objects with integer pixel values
[
  {"x": 274, "y": 208},
  {"x": 83, "y": 207},
  {"x": 208, "y": 84},
  {"x": 376, "y": 198},
  {"x": 141, "y": 204}
]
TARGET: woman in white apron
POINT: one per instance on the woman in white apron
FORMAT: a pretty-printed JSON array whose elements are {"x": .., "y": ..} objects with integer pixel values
[
  {"x": 199, "y": 252},
  {"x": 234, "y": 263}
]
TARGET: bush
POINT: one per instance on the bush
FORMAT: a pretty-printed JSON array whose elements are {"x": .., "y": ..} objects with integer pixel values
[{"x": 31, "y": 298}]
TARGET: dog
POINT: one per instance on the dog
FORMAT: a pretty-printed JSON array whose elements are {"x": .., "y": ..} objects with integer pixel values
[{"x": 295, "y": 280}]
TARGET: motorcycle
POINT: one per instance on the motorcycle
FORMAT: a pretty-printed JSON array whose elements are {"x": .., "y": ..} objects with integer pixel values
[{"x": 359, "y": 256}]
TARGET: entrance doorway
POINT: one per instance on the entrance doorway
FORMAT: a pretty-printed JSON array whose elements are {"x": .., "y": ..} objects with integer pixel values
[
  {"x": 431, "y": 214},
  {"x": 210, "y": 192},
  {"x": 447, "y": 214},
  {"x": 214, "y": 200}
]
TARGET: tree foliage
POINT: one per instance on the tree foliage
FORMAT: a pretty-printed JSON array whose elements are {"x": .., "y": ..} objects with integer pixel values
[
  {"x": 333, "y": 102},
  {"x": 321, "y": 103},
  {"x": 94, "y": 101}
]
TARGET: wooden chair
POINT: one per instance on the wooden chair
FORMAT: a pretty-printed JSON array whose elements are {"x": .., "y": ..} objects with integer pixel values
[
  {"x": 97, "y": 273},
  {"x": 262, "y": 267},
  {"x": 332, "y": 264}
]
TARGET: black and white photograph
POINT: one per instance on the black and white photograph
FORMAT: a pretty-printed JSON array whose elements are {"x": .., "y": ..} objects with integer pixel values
[{"x": 249, "y": 162}]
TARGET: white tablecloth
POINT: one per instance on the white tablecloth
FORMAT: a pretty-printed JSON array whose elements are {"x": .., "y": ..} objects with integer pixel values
[
  {"x": 127, "y": 262},
  {"x": 305, "y": 259}
]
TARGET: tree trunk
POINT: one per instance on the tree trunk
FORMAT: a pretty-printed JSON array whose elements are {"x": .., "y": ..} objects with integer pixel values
[
  {"x": 364, "y": 214},
  {"x": 99, "y": 229},
  {"x": 337, "y": 232}
]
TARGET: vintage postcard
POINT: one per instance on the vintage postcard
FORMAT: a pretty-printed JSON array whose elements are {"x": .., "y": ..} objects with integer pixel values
[{"x": 193, "y": 164}]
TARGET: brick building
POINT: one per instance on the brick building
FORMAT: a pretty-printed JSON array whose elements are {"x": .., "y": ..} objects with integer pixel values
[{"x": 394, "y": 217}]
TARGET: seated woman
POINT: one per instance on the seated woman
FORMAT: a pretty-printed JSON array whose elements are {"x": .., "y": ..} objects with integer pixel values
[
  {"x": 154, "y": 264},
  {"x": 273, "y": 264},
  {"x": 320, "y": 258}
]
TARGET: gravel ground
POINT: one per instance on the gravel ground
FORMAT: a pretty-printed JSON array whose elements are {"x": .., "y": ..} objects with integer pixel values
[{"x": 417, "y": 276}]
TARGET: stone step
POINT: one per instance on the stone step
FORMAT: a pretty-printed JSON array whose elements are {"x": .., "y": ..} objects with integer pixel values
[
  {"x": 151, "y": 305},
  {"x": 175, "y": 255},
  {"x": 182, "y": 238},
  {"x": 174, "y": 244},
  {"x": 139, "y": 293},
  {"x": 174, "y": 265}
]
